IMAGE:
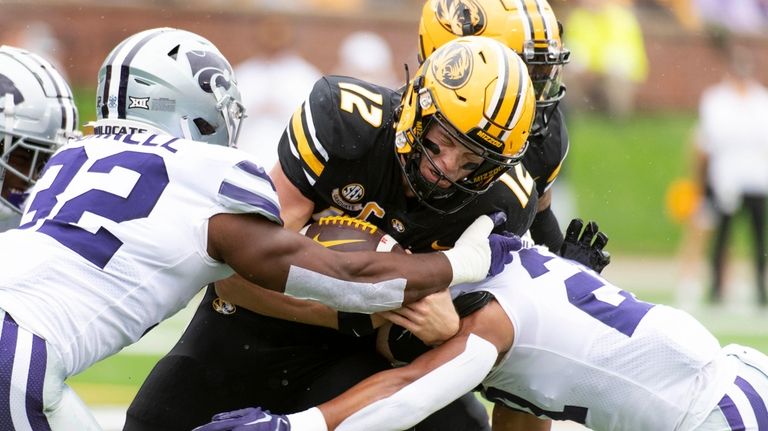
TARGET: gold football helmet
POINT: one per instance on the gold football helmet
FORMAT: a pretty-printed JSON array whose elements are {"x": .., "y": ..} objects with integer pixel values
[
  {"x": 529, "y": 27},
  {"x": 477, "y": 90}
]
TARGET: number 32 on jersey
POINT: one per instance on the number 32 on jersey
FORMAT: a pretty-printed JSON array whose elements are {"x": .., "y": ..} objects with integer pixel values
[{"x": 66, "y": 171}]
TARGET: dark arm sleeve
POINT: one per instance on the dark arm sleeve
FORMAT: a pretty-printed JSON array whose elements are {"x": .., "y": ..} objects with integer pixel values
[{"x": 546, "y": 230}]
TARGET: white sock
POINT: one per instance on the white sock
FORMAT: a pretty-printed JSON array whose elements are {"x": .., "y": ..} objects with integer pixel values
[{"x": 308, "y": 420}]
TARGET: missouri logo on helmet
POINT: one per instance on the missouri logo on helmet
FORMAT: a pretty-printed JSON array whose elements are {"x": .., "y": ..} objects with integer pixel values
[
  {"x": 476, "y": 90},
  {"x": 209, "y": 69},
  {"x": 461, "y": 17},
  {"x": 452, "y": 67}
]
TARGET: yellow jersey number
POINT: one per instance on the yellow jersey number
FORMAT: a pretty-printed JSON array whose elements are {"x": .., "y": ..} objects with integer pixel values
[
  {"x": 520, "y": 182},
  {"x": 366, "y": 101}
]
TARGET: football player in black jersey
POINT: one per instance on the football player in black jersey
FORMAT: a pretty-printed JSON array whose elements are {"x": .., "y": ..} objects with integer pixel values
[
  {"x": 531, "y": 29},
  {"x": 421, "y": 165}
]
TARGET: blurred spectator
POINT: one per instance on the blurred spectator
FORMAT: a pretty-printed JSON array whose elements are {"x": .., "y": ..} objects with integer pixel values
[
  {"x": 733, "y": 134},
  {"x": 608, "y": 59},
  {"x": 737, "y": 16},
  {"x": 366, "y": 55},
  {"x": 37, "y": 37},
  {"x": 273, "y": 84},
  {"x": 689, "y": 202}
]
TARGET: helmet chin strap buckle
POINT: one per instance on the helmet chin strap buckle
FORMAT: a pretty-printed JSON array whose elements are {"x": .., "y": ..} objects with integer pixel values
[
  {"x": 400, "y": 140},
  {"x": 425, "y": 99}
]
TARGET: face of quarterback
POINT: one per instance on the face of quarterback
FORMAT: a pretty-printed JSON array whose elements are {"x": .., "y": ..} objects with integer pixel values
[{"x": 446, "y": 158}]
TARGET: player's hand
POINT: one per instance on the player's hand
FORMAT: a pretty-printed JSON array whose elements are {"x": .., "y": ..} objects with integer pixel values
[
  {"x": 502, "y": 245},
  {"x": 250, "y": 419},
  {"x": 478, "y": 254},
  {"x": 403, "y": 346},
  {"x": 432, "y": 319},
  {"x": 586, "y": 247}
]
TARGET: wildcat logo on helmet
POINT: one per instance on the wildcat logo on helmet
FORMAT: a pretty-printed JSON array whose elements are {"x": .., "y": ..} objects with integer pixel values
[
  {"x": 453, "y": 66},
  {"x": 209, "y": 68},
  {"x": 8, "y": 87},
  {"x": 460, "y": 17}
]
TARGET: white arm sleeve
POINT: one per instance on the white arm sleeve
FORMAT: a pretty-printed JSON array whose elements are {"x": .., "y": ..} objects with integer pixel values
[
  {"x": 471, "y": 256},
  {"x": 410, "y": 405},
  {"x": 343, "y": 295}
]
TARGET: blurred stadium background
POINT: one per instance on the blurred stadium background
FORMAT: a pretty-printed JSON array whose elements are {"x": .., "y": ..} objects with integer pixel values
[{"x": 617, "y": 172}]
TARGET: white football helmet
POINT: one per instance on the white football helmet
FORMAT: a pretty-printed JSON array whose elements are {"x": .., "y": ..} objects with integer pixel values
[
  {"x": 37, "y": 115},
  {"x": 172, "y": 81}
]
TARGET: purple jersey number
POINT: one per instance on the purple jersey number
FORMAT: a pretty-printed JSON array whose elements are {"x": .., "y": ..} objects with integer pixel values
[
  {"x": 591, "y": 294},
  {"x": 98, "y": 248}
]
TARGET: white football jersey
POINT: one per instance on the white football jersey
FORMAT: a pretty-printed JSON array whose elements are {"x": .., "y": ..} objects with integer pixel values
[
  {"x": 114, "y": 238},
  {"x": 587, "y": 351}
]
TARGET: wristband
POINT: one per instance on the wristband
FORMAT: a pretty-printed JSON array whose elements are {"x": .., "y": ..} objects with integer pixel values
[{"x": 356, "y": 324}]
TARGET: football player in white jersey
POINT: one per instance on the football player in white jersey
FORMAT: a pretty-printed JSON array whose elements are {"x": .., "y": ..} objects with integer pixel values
[
  {"x": 558, "y": 342},
  {"x": 37, "y": 115},
  {"x": 124, "y": 226}
]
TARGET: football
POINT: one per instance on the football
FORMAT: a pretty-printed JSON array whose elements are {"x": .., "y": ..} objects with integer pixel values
[{"x": 350, "y": 234}]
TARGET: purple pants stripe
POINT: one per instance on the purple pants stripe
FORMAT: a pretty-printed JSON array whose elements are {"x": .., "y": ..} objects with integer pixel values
[
  {"x": 35, "y": 377},
  {"x": 35, "y": 381},
  {"x": 757, "y": 403},
  {"x": 7, "y": 354},
  {"x": 731, "y": 413}
]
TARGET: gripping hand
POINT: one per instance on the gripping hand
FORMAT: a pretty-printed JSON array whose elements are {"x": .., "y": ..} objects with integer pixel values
[
  {"x": 250, "y": 419},
  {"x": 502, "y": 246},
  {"x": 586, "y": 247},
  {"x": 478, "y": 253}
]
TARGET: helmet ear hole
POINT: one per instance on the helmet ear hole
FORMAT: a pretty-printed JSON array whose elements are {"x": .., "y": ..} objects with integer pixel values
[{"x": 205, "y": 128}]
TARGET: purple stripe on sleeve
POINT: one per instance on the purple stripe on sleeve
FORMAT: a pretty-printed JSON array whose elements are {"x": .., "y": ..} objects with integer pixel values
[
  {"x": 35, "y": 381},
  {"x": 757, "y": 403},
  {"x": 239, "y": 194},
  {"x": 731, "y": 413},
  {"x": 255, "y": 170},
  {"x": 7, "y": 354}
]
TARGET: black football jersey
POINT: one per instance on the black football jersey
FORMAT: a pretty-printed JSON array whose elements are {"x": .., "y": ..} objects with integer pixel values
[
  {"x": 546, "y": 153},
  {"x": 339, "y": 151}
]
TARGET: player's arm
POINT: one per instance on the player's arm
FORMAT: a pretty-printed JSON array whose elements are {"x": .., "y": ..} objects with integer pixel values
[
  {"x": 399, "y": 398},
  {"x": 296, "y": 209},
  {"x": 506, "y": 419},
  {"x": 430, "y": 382},
  {"x": 554, "y": 149},
  {"x": 279, "y": 259},
  {"x": 545, "y": 228}
]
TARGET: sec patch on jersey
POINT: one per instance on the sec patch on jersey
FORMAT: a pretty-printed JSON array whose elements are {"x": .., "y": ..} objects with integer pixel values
[{"x": 350, "y": 234}]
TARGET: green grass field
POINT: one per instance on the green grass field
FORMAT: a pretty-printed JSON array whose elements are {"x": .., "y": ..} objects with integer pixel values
[{"x": 618, "y": 171}]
